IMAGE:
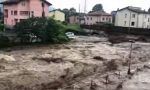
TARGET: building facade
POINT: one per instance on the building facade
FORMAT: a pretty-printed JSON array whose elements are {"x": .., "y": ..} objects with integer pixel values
[
  {"x": 132, "y": 17},
  {"x": 74, "y": 19},
  {"x": 77, "y": 18},
  {"x": 17, "y": 10},
  {"x": 97, "y": 17},
  {"x": 57, "y": 15}
]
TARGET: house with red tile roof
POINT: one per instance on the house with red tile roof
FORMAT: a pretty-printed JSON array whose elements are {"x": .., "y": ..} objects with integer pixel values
[
  {"x": 97, "y": 17},
  {"x": 18, "y": 10}
]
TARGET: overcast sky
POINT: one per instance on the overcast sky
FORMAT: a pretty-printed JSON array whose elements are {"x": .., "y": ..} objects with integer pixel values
[{"x": 108, "y": 5}]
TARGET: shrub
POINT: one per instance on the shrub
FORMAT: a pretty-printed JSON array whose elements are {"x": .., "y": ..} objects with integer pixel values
[
  {"x": 64, "y": 23},
  {"x": 4, "y": 41},
  {"x": 43, "y": 29},
  {"x": 1, "y": 27}
]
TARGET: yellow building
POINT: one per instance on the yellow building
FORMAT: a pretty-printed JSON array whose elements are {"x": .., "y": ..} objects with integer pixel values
[{"x": 57, "y": 15}]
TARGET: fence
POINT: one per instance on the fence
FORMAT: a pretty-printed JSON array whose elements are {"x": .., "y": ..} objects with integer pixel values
[{"x": 116, "y": 29}]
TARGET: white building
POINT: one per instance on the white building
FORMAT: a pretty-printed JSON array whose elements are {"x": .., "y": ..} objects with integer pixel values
[
  {"x": 98, "y": 17},
  {"x": 132, "y": 17}
]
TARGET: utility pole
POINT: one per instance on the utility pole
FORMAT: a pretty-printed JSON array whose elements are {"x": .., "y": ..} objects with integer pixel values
[
  {"x": 130, "y": 57},
  {"x": 85, "y": 6},
  {"x": 79, "y": 15},
  {"x": 79, "y": 8}
]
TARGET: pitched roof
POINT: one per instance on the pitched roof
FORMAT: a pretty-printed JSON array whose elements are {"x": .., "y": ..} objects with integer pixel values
[
  {"x": 98, "y": 13},
  {"x": 56, "y": 10},
  {"x": 8, "y": 2},
  {"x": 134, "y": 9}
]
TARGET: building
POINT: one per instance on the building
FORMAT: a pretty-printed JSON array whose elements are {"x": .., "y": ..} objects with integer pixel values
[
  {"x": 74, "y": 19},
  {"x": 132, "y": 17},
  {"x": 98, "y": 17},
  {"x": 77, "y": 18},
  {"x": 57, "y": 15},
  {"x": 18, "y": 10}
]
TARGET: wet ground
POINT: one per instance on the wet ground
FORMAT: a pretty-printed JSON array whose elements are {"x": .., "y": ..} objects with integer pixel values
[{"x": 86, "y": 63}]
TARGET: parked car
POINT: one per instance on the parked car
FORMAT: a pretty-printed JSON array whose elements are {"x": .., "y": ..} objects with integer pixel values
[{"x": 70, "y": 35}]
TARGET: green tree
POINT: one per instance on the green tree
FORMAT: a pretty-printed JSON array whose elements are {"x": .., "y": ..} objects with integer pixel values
[
  {"x": 73, "y": 10},
  {"x": 4, "y": 41},
  {"x": 98, "y": 7},
  {"x": 43, "y": 29},
  {"x": 68, "y": 13}
]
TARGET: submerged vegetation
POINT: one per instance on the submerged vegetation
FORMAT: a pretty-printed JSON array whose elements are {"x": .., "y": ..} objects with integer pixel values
[{"x": 39, "y": 30}]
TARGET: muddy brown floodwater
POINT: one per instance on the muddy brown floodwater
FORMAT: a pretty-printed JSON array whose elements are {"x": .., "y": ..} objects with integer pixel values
[{"x": 86, "y": 63}]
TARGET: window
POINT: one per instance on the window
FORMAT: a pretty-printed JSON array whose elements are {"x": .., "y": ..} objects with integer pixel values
[
  {"x": 91, "y": 18},
  {"x": 125, "y": 15},
  {"x": 15, "y": 12},
  {"x": 87, "y": 18},
  {"x": 23, "y": 3},
  {"x": 106, "y": 19},
  {"x": 16, "y": 20},
  {"x": 148, "y": 19},
  {"x": 125, "y": 22},
  {"x": 12, "y": 12},
  {"x": 132, "y": 23},
  {"x": 24, "y": 13},
  {"x": 133, "y": 15},
  {"x": 103, "y": 19},
  {"x": 6, "y": 13}
]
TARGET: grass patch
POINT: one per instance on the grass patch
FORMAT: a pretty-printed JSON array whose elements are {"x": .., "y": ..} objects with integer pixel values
[{"x": 75, "y": 27}]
